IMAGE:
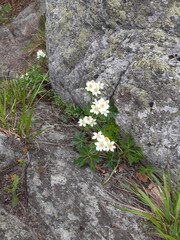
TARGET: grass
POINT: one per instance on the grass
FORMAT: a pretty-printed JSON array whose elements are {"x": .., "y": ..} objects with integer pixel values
[
  {"x": 5, "y": 12},
  {"x": 162, "y": 210},
  {"x": 17, "y": 102}
]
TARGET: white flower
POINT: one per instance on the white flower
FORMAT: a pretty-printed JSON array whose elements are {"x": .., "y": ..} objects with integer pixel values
[
  {"x": 93, "y": 122},
  {"x": 97, "y": 135},
  {"x": 87, "y": 120},
  {"x": 103, "y": 104},
  {"x": 103, "y": 143},
  {"x": 100, "y": 146},
  {"x": 94, "y": 109},
  {"x": 95, "y": 90},
  {"x": 94, "y": 87},
  {"x": 90, "y": 86},
  {"x": 100, "y": 106},
  {"x": 111, "y": 146},
  {"x": 100, "y": 85},
  {"x": 41, "y": 54},
  {"x": 82, "y": 122}
]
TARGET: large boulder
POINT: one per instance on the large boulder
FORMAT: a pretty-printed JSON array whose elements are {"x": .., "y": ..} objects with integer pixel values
[{"x": 134, "y": 48}]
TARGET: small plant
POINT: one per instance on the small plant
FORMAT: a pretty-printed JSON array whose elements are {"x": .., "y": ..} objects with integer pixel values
[
  {"x": 5, "y": 12},
  {"x": 70, "y": 111},
  {"x": 163, "y": 209},
  {"x": 100, "y": 139},
  {"x": 13, "y": 190},
  {"x": 131, "y": 152},
  {"x": 148, "y": 170}
]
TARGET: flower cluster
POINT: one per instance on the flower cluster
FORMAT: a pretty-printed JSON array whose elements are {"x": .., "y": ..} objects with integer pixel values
[
  {"x": 103, "y": 143},
  {"x": 94, "y": 87},
  {"x": 100, "y": 106},
  {"x": 41, "y": 54},
  {"x": 87, "y": 120}
]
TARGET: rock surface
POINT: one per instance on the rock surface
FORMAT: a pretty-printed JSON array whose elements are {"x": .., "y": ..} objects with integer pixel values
[
  {"x": 12, "y": 228},
  {"x": 64, "y": 202},
  {"x": 15, "y": 38},
  {"x": 134, "y": 48}
]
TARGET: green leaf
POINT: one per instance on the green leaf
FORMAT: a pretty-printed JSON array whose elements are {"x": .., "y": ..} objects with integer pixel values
[
  {"x": 87, "y": 156},
  {"x": 7, "y": 8},
  {"x": 130, "y": 151},
  {"x": 15, "y": 200},
  {"x": 147, "y": 170},
  {"x": 79, "y": 139},
  {"x": 111, "y": 130}
]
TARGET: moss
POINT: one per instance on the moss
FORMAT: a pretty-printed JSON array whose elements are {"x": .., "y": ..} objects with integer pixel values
[
  {"x": 72, "y": 54},
  {"x": 83, "y": 37},
  {"x": 173, "y": 10},
  {"x": 153, "y": 63},
  {"x": 115, "y": 9},
  {"x": 158, "y": 35},
  {"x": 141, "y": 21},
  {"x": 52, "y": 7}
]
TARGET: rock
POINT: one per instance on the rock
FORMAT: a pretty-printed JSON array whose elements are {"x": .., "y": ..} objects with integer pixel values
[
  {"x": 135, "y": 50},
  {"x": 12, "y": 228},
  {"x": 6, "y": 153},
  {"x": 64, "y": 202},
  {"x": 15, "y": 37},
  {"x": 71, "y": 201},
  {"x": 27, "y": 22}
]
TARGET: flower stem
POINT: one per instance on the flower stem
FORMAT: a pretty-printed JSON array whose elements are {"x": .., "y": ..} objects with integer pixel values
[{"x": 114, "y": 170}]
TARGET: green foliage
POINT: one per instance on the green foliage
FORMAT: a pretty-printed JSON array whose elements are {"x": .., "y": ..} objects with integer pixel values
[
  {"x": 87, "y": 152},
  {"x": 13, "y": 189},
  {"x": 100, "y": 130},
  {"x": 56, "y": 99},
  {"x": 17, "y": 100},
  {"x": 111, "y": 130},
  {"x": 79, "y": 140},
  {"x": 147, "y": 170},
  {"x": 72, "y": 112},
  {"x": 111, "y": 159},
  {"x": 164, "y": 214},
  {"x": 5, "y": 11},
  {"x": 88, "y": 156},
  {"x": 130, "y": 151}
]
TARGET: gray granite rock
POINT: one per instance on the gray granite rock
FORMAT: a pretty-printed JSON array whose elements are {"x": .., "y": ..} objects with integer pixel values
[
  {"x": 6, "y": 153},
  {"x": 63, "y": 201},
  {"x": 134, "y": 48},
  {"x": 72, "y": 201},
  {"x": 11, "y": 228},
  {"x": 15, "y": 37}
]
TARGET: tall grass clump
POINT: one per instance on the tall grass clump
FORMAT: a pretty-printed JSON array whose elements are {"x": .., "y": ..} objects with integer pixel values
[
  {"x": 162, "y": 207},
  {"x": 17, "y": 101}
]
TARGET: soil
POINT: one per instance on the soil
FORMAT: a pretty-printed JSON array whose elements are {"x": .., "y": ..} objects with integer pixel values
[{"x": 17, "y": 7}]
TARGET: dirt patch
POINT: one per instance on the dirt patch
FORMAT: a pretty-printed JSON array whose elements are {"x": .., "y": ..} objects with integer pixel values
[{"x": 15, "y": 7}]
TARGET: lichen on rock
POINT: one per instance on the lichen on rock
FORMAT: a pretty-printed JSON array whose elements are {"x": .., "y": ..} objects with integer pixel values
[{"x": 134, "y": 48}]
